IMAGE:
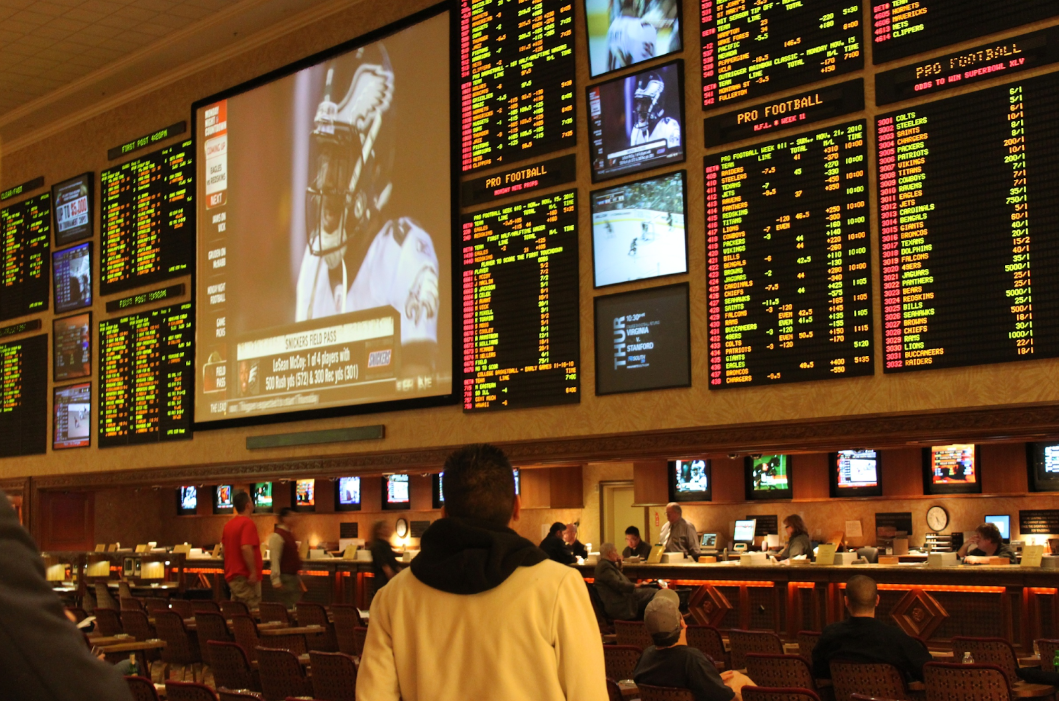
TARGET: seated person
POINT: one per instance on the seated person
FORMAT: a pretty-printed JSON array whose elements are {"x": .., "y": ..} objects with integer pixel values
[
  {"x": 863, "y": 638},
  {"x": 797, "y": 538},
  {"x": 670, "y": 662},
  {"x": 636, "y": 547},
  {"x": 553, "y": 545},
  {"x": 986, "y": 542},
  {"x": 622, "y": 599},
  {"x": 573, "y": 545}
]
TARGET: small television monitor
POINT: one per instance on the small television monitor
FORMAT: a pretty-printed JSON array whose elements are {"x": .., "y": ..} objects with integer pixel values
[
  {"x": 518, "y": 481},
  {"x": 636, "y": 122},
  {"x": 768, "y": 477},
  {"x": 72, "y": 202},
  {"x": 347, "y": 494},
  {"x": 690, "y": 480},
  {"x": 709, "y": 540},
  {"x": 304, "y": 498},
  {"x": 744, "y": 531},
  {"x": 438, "y": 491},
  {"x": 1003, "y": 524},
  {"x": 621, "y": 35},
  {"x": 261, "y": 493},
  {"x": 72, "y": 417},
  {"x": 222, "y": 499},
  {"x": 855, "y": 473},
  {"x": 187, "y": 501},
  {"x": 72, "y": 277},
  {"x": 952, "y": 469},
  {"x": 639, "y": 230},
  {"x": 395, "y": 493},
  {"x": 1042, "y": 459},
  {"x": 72, "y": 347}
]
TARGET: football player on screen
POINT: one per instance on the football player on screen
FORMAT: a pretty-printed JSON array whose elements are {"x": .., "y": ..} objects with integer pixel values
[
  {"x": 351, "y": 155},
  {"x": 649, "y": 110},
  {"x": 630, "y": 39}
]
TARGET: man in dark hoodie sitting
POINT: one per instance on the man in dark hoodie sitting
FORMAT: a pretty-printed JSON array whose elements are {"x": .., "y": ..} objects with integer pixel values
[
  {"x": 482, "y": 613},
  {"x": 554, "y": 546}
]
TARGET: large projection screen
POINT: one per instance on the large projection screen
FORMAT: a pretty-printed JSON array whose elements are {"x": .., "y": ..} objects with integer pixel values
[{"x": 324, "y": 212}]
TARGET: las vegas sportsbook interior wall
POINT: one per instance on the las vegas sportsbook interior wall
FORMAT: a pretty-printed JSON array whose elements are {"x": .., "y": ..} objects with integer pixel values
[{"x": 627, "y": 216}]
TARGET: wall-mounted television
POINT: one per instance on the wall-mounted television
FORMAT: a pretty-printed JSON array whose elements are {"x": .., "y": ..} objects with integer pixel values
[
  {"x": 690, "y": 480},
  {"x": 304, "y": 495},
  {"x": 1003, "y": 524},
  {"x": 623, "y": 34},
  {"x": 72, "y": 416},
  {"x": 854, "y": 473},
  {"x": 72, "y": 277},
  {"x": 347, "y": 494},
  {"x": 952, "y": 469},
  {"x": 1042, "y": 459},
  {"x": 768, "y": 477},
  {"x": 187, "y": 501},
  {"x": 72, "y": 209},
  {"x": 72, "y": 347},
  {"x": 261, "y": 493},
  {"x": 222, "y": 499},
  {"x": 396, "y": 495}
]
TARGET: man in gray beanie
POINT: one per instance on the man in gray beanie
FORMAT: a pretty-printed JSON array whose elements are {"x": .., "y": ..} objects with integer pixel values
[{"x": 670, "y": 662}]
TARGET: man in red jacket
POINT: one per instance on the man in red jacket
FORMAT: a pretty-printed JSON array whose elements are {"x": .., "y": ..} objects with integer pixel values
[{"x": 242, "y": 553}]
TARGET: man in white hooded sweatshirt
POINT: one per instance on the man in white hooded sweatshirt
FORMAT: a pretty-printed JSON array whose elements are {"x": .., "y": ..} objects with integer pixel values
[{"x": 482, "y": 613}]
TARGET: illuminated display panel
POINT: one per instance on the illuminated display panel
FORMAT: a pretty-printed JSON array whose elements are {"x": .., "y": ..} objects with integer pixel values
[
  {"x": 788, "y": 265},
  {"x": 966, "y": 204},
  {"x": 395, "y": 493},
  {"x": 1043, "y": 462},
  {"x": 690, "y": 480},
  {"x": 261, "y": 493},
  {"x": 521, "y": 324},
  {"x": 146, "y": 377},
  {"x": 25, "y": 240},
  {"x": 620, "y": 37},
  {"x": 72, "y": 416},
  {"x": 855, "y": 473},
  {"x": 304, "y": 497},
  {"x": 768, "y": 477},
  {"x": 516, "y": 80},
  {"x": 187, "y": 501},
  {"x": 72, "y": 351},
  {"x": 222, "y": 499},
  {"x": 774, "y": 46},
  {"x": 952, "y": 469},
  {"x": 24, "y": 397},
  {"x": 347, "y": 494},
  {"x": 72, "y": 276},
  {"x": 147, "y": 219},
  {"x": 905, "y": 28},
  {"x": 73, "y": 209}
]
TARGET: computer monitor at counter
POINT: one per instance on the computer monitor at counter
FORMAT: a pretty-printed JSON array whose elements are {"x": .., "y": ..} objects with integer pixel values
[
  {"x": 744, "y": 531},
  {"x": 1003, "y": 524}
]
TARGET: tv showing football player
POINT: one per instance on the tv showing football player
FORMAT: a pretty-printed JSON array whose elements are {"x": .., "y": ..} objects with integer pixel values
[
  {"x": 324, "y": 225},
  {"x": 622, "y": 33},
  {"x": 636, "y": 122}
]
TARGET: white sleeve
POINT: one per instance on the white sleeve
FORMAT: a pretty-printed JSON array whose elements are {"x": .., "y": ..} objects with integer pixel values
[
  {"x": 275, "y": 553},
  {"x": 377, "y": 674},
  {"x": 578, "y": 644}
]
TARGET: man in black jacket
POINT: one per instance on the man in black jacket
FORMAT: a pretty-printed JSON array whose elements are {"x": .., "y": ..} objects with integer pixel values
[
  {"x": 42, "y": 655},
  {"x": 622, "y": 599},
  {"x": 554, "y": 546},
  {"x": 573, "y": 545},
  {"x": 863, "y": 638}
]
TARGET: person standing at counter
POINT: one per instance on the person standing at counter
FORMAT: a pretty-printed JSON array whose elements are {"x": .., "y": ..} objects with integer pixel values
[
  {"x": 622, "y": 599},
  {"x": 986, "y": 542},
  {"x": 636, "y": 547},
  {"x": 573, "y": 545},
  {"x": 383, "y": 561},
  {"x": 682, "y": 537},
  {"x": 285, "y": 562},
  {"x": 797, "y": 538},
  {"x": 554, "y": 547},
  {"x": 242, "y": 553}
]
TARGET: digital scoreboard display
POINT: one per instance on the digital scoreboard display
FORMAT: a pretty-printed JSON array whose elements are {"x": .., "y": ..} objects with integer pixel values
[
  {"x": 521, "y": 318},
  {"x": 146, "y": 377},
  {"x": 966, "y": 203},
  {"x": 516, "y": 80},
  {"x": 788, "y": 264},
  {"x": 25, "y": 239},
  {"x": 755, "y": 49},
  {"x": 24, "y": 397},
  {"x": 904, "y": 28},
  {"x": 147, "y": 219}
]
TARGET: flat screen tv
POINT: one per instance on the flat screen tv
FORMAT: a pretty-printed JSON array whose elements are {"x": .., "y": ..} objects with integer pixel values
[
  {"x": 854, "y": 473},
  {"x": 304, "y": 496},
  {"x": 952, "y": 469},
  {"x": 690, "y": 480},
  {"x": 72, "y": 416},
  {"x": 768, "y": 477},
  {"x": 187, "y": 501},
  {"x": 222, "y": 499},
  {"x": 347, "y": 494},
  {"x": 395, "y": 493},
  {"x": 72, "y": 277},
  {"x": 261, "y": 493},
  {"x": 1042, "y": 459}
]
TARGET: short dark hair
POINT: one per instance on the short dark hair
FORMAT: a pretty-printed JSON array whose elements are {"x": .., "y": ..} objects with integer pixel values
[
  {"x": 480, "y": 484},
  {"x": 285, "y": 512},
  {"x": 557, "y": 528},
  {"x": 666, "y": 639},
  {"x": 990, "y": 532},
  {"x": 240, "y": 501},
  {"x": 862, "y": 593},
  {"x": 632, "y": 530}
]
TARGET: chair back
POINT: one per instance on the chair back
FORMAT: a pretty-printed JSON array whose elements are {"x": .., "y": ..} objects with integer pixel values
[
  {"x": 239, "y": 695},
  {"x": 281, "y": 675},
  {"x": 605, "y": 623},
  {"x": 182, "y": 607},
  {"x": 779, "y": 671},
  {"x": 245, "y": 631},
  {"x": 870, "y": 554},
  {"x": 807, "y": 640},
  {"x": 124, "y": 592},
  {"x": 763, "y": 693},
  {"x": 188, "y": 691},
  {"x": 633, "y": 633},
  {"x": 310, "y": 614},
  {"x": 142, "y": 689},
  {"x": 231, "y": 666},
  {"x": 992, "y": 651},
  {"x": 155, "y": 603},
  {"x": 620, "y": 660},
  {"x": 103, "y": 598},
  {"x": 79, "y": 613},
  {"x": 708, "y": 640},
  {"x": 346, "y": 619},
  {"x": 744, "y": 641},
  {"x": 234, "y": 608},
  {"x": 129, "y": 603},
  {"x": 334, "y": 676},
  {"x": 211, "y": 627},
  {"x": 108, "y": 622},
  {"x": 273, "y": 612},
  {"x": 873, "y": 679},
  {"x": 663, "y": 693},
  {"x": 360, "y": 636},
  {"x": 1047, "y": 647},
  {"x": 205, "y": 605},
  {"x": 946, "y": 681},
  {"x": 178, "y": 648},
  {"x": 136, "y": 624},
  {"x": 613, "y": 691}
]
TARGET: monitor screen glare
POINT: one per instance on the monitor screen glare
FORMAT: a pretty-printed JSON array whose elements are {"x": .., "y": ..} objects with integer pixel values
[
  {"x": 1003, "y": 524},
  {"x": 744, "y": 531}
]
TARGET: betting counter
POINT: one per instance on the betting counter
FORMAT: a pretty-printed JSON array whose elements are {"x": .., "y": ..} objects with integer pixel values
[{"x": 1015, "y": 603}]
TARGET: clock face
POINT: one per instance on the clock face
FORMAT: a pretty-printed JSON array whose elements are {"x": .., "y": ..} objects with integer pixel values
[
  {"x": 937, "y": 518},
  {"x": 402, "y": 528}
]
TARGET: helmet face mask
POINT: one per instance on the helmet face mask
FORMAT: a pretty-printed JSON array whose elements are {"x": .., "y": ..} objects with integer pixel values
[
  {"x": 327, "y": 194},
  {"x": 645, "y": 100}
]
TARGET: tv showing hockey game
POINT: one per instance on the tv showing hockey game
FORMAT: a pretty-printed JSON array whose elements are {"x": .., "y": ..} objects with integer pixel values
[
  {"x": 690, "y": 480},
  {"x": 187, "y": 501},
  {"x": 324, "y": 225},
  {"x": 636, "y": 122},
  {"x": 638, "y": 230},
  {"x": 622, "y": 33}
]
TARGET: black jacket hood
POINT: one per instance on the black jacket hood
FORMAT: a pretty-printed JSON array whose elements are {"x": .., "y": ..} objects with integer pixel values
[{"x": 468, "y": 556}]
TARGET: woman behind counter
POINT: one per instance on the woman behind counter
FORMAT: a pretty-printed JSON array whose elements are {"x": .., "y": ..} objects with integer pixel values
[{"x": 797, "y": 538}]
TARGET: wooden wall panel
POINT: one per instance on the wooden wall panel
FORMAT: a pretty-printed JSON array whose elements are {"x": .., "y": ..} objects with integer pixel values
[
  {"x": 536, "y": 488},
  {"x": 902, "y": 472},
  {"x": 566, "y": 490},
  {"x": 421, "y": 492},
  {"x": 650, "y": 482},
  {"x": 729, "y": 481},
  {"x": 67, "y": 521},
  {"x": 810, "y": 476},
  {"x": 1004, "y": 468}
]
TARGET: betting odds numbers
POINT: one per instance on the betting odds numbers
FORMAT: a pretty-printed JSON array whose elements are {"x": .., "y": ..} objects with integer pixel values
[
  {"x": 24, "y": 397},
  {"x": 788, "y": 262},
  {"x": 25, "y": 241}
]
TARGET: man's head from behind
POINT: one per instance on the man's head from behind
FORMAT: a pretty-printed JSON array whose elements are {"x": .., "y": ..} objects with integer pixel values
[
  {"x": 673, "y": 512},
  {"x": 480, "y": 484},
  {"x": 286, "y": 516},
  {"x": 862, "y": 596},
  {"x": 557, "y": 529},
  {"x": 242, "y": 503},
  {"x": 609, "y": 551},
  {"x": 632, "y": 537},
  {"x": 662, "y": 619}
]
